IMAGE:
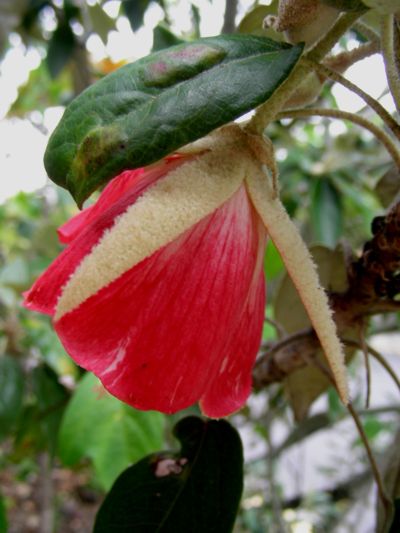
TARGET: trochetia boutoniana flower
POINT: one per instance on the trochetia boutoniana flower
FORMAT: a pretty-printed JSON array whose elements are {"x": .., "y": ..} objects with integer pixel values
[{"x": 161, "y": 292}]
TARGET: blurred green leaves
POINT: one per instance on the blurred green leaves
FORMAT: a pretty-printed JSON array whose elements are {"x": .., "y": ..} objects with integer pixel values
[
  {"x": 110, "y": 433},
  {"x": 135, "y": 10},
  {"x": 326, "y": 212},
  {"x": 60, "y": 50},
  {"x": 163, "y": 38},
  {"x": 3, "y": 516},
  {"x": 11, "y": 394}
]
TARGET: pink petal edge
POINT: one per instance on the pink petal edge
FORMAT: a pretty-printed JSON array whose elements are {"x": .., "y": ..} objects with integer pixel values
[
  {"x": 114, "y": 191},
  {"x": 44, "y": 293}
]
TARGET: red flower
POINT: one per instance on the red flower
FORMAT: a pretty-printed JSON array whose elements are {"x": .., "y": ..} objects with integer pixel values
[{"x": 160, "y": 291}]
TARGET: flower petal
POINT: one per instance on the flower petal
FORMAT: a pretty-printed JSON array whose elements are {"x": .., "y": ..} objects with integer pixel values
[
  {"x": 158, "y": 335},
  {"x": 88, "y": 230},
  {"x": 112, "y": 192},
  {"x": 231, "y": 385},
  {"x": 166, "y": 210}
]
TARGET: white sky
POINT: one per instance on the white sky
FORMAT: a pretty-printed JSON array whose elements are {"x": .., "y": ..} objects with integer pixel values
[{"x": 23, "y": 145}]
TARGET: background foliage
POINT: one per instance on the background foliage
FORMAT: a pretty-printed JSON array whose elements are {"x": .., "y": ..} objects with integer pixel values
[{"x": 64, "y": 440}]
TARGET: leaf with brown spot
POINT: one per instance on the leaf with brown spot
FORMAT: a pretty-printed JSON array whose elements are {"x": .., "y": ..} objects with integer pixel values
[{"x": 147, "y": 109}]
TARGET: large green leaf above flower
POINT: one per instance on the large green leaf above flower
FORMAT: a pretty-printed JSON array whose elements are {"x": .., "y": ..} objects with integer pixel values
[{"x": 149, "y": 108}]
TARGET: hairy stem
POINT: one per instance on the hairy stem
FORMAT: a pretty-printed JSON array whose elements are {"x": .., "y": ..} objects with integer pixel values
[
  {"x": 374, "y": 104},
  {"x": 365, "y": 351},
  {"x": 367, "y": 31},
  {"x": 392, "y": 73},
  {"x": 374, "y": 467},
  {"x": 324, "y": 45},
  {"x": 267, "y": 112},
  {"x": 351, "y": 117},
  {"x": 342, "y": 61}
]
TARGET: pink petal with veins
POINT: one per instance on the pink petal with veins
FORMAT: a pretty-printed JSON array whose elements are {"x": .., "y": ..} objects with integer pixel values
[{"x": 183, "y": 325}]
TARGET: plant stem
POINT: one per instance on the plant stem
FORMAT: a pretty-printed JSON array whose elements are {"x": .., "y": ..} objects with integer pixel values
[
  {"x": 392, "y": 73},
  {"x": 374, "y": 104},
  {"x": 385, "y": 365},
  {"x": 378, "y": 356},
  {"x": 372, "y": 462},
  {"x": 374, "y": 467},
  {"x": 47, "y": 494},
  {"x": 368, "y": 32},
  {"x": 280, "y": 331},
  {"x": 267, "y": 112},
  {"x": 365, "y": 351},
  {"x": 229, "y": 16},
  {"x": 351, "y": 117},
  {"x": 342, "y": 61},
  {"x": 324, "y": 45}
]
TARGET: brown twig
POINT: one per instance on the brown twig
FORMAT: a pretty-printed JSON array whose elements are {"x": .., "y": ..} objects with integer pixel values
[
  {"x": 379, "y": 357},
  {"x": 374, "y": 104},
  {"x": 371, "y": 458},
  {"x": 280, "y": 330},
  {"x": 374, "y": 467},
  {"x": 364, "y": 349},
  {"x": 229, "y": 16},
  {"x": 381, "y": 135}
]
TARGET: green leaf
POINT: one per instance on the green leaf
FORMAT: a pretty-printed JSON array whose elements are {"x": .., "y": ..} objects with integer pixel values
[
  {"x": 11, "y": 393},
  {"x": 252, "y": 22},
  {"x": 110, "y": 433},
  {"x": 3, "y": 516},
  {"x": 383, "y": 6},
  {"x": 196, "y": 19},
  {"x": 145, "y": 110},
  {"x": 164, "y": 38},
  {"x": 273, "y": 264},
  {"x": 60, "y": 50},
  {"x": 135, "y": 10},
  {"x": 289, "y": 310},
  {"x": 41, "y": 91},
  {"x": 102, "y": 23},
  {"x": 388, "y": 187},
  {"x": 326, "y": 212},
  {"x": 197, "y": 490},
  {"x": 32, "y": 13}
]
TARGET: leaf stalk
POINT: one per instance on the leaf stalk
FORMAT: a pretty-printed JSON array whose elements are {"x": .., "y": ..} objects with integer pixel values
[{"x": 389, "y": 58}]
